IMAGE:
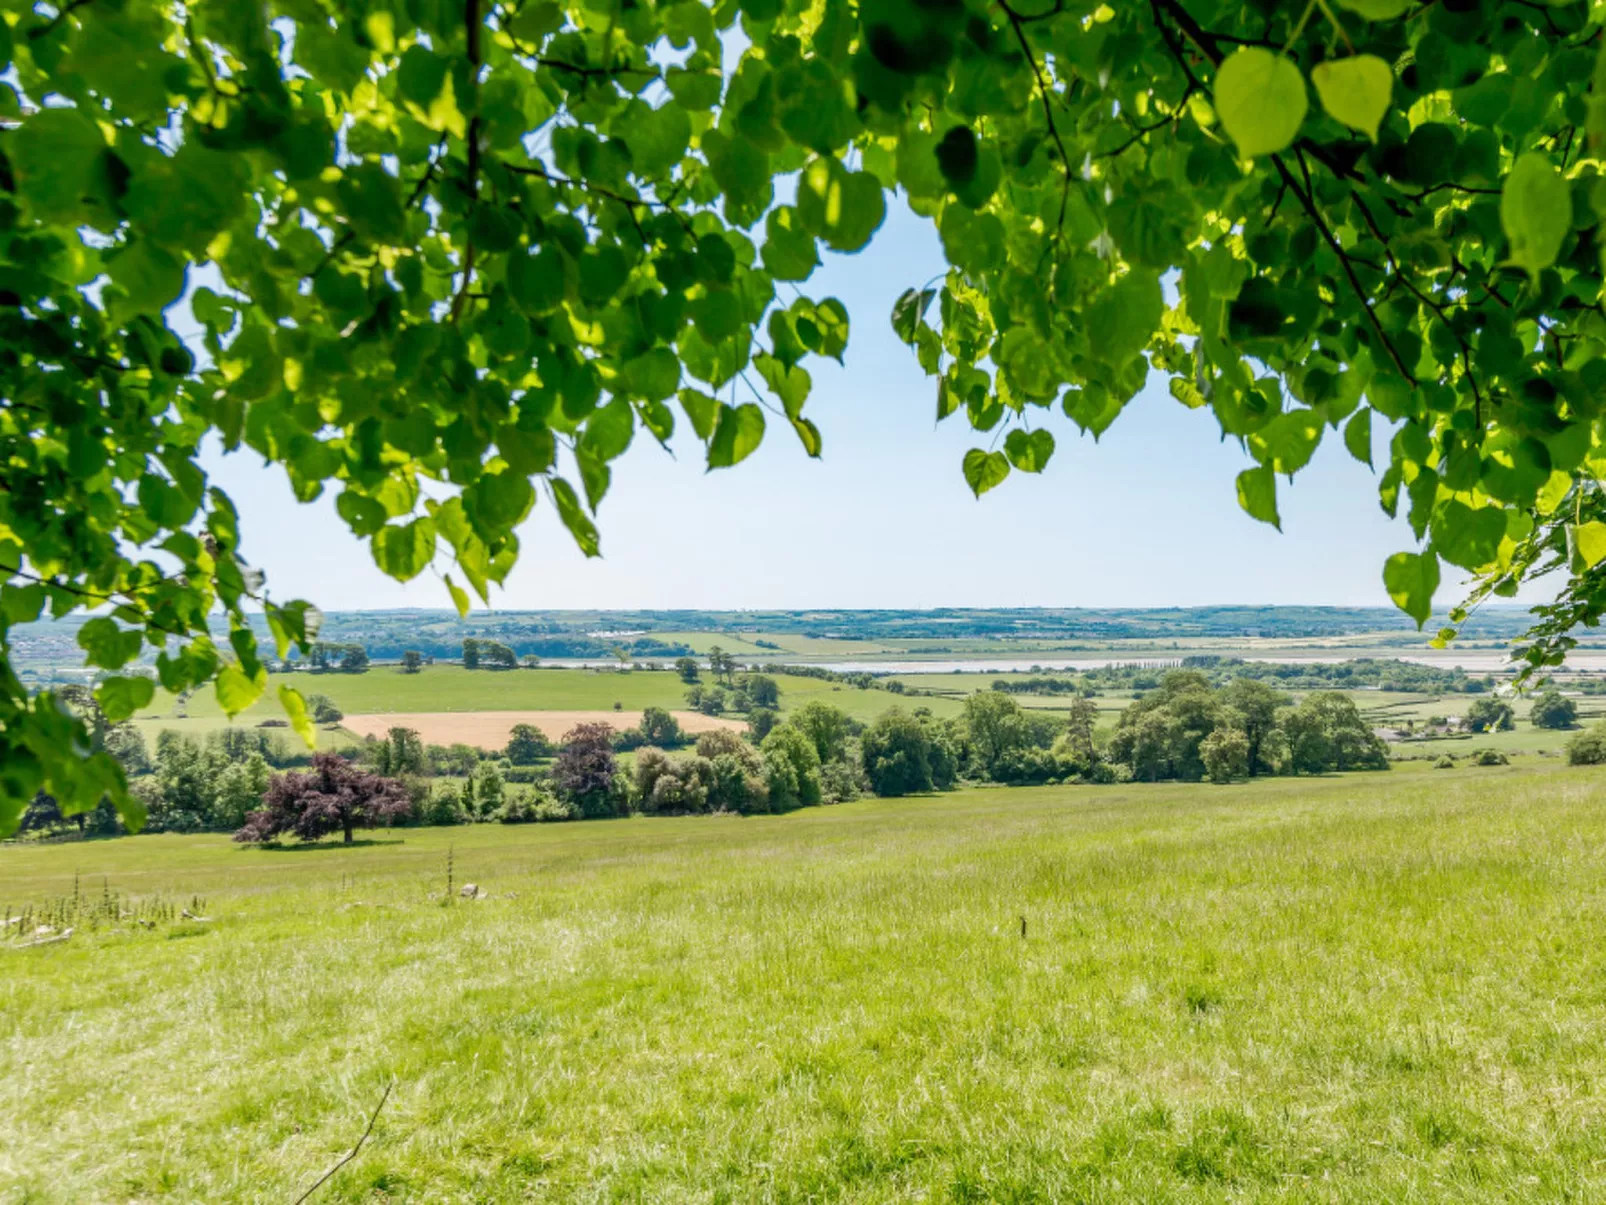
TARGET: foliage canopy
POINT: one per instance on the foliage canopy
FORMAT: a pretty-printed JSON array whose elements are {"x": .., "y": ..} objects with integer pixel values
[{"x": 482, "y": 244}]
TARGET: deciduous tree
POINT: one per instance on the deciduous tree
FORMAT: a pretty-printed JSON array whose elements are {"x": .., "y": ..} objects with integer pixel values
[{"x": 335, "y": 796}]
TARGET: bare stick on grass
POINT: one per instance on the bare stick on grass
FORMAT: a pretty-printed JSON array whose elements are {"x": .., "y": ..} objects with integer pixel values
[{"x": 325, "y": 1177}]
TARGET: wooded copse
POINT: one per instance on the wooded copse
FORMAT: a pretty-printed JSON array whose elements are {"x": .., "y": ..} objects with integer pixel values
[{"x": 1186, "y": 730}]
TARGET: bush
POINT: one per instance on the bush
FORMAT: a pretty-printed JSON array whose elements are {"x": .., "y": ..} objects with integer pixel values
[
  {"x": 1026, "y": 767},
  {"x": 323, "y": 710},
  {"x": 1445, "y": 762},
  {"x": 1490, "y": 757},
  {"x": 1588, "y": 748},
  {"x": 532, "y": 807},
  {"x": 443, "y": 806}
]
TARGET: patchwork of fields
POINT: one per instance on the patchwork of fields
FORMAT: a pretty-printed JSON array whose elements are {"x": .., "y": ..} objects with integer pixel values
[{"x": 1367, "y": 988}]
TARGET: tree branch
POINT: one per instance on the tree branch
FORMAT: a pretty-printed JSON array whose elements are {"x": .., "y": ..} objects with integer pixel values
[
  {"x": 1309, "y": 204},
  {"x": 1048, "y": 110},
  {"x": 472, "y": 17}
]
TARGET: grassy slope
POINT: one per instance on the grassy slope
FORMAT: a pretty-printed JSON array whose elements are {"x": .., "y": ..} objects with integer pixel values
[{"x": 1371, "y": 988}]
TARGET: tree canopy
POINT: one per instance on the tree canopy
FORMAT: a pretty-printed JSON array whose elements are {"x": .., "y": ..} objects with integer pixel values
[{"x": 483, "y": 244}]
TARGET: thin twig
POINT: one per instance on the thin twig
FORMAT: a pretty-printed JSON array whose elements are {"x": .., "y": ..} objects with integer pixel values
[
  {"x": 1144, "y": 131},
  {"x": 1048, "y": 110},
  {"x": 323, "y": 1179}
]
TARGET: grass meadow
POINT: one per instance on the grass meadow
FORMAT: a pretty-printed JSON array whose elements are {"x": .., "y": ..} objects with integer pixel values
[
  {"x": 386, "y": 688},
  {"x": 1374, "y": 988}
]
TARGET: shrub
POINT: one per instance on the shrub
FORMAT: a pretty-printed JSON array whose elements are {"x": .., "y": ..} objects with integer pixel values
[
  {"x": 443, "y": 806},
  {"x": 1491, "y": 757},
  {"x": 531, "y": 807},
  {"x": 1445, "y": 762},
  {"x": 1026, "y": 767},
  {"x": 1588, "y": 748},
  {"x": 323, "y": 710}
]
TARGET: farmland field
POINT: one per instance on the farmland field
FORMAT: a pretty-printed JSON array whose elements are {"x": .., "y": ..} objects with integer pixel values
[
  {"x": 452, "y": 688},
  {"x": 1362, "y": 988}
]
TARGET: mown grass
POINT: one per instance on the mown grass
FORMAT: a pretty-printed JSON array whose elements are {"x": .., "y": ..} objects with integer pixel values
[{"x": 1371, "y": 988}]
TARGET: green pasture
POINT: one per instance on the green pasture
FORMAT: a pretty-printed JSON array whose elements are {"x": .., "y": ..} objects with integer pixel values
[
  {"x": 453, "y": 688},
  {"x": 1381, "y": 987}
]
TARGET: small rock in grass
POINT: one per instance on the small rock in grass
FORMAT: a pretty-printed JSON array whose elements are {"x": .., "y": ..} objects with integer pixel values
[{"x": 471, "y": 891}]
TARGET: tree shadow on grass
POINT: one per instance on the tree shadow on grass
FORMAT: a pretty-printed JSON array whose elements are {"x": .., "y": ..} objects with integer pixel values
[{"x": 301, "y": 847}]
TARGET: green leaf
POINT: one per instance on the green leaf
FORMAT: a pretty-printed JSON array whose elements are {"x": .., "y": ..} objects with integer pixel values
[
  {"x": 1411, "y": 580},
  {"x": 106, "y": 645},
  {"x": 1121, "y": 321},
  {"x": 59, "y": 157},
  {"x": 1468, "y": 536},
  {"x": 1260, "y": 98},
  {"x": 653, "y": 376},
  {"x": 1536, "y": 210},
  {"x": 740, "y": 430},
  {"x": 789, "y": 383},
  {"x": 574, "y": 517},
  {"x": 701, "y": 410},
  {"x": 459, "y": 595},
  {"x": 295, "y": 707},
  {"x": 1358, "y": 436},
  {"x": 844, "y": 208},
  {"x": 984, "y": 470},
  {"x": 1029, "y": 451},
  {"x": 1355, "y": 90},
  {"x": 421, "y": 75},
  {"x": 237, "y": 690},
  {"x": 790, "y": 252},
  {"x": 405, "y": 551},
  {"x": 809, "y": 435},
  {"x": 496, "y": 504},
  {"x": 1590, "y": 540},
  {"x": 120, "y": 698},
  {"x": 1257, "y": 494},
  {"x": 538, "y": 282},
  {"x": 909, "y": 310}
]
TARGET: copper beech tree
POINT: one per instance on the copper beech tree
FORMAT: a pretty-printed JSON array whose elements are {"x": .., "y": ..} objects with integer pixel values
[{"x": 485, "y": 245}]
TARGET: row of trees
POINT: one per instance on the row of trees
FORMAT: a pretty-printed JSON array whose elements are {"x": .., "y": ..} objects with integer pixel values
[{"x": 749, "y": 693}]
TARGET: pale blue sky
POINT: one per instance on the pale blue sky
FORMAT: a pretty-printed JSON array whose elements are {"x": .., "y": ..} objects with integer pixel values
[{"x": 1146, "y": 517}]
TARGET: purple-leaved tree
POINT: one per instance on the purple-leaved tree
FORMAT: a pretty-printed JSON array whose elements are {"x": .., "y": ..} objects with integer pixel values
[{"x": 334, "y": 796}]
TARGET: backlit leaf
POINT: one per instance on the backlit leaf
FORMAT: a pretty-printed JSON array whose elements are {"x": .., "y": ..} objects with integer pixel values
[{"x": 1260, "y": 98}]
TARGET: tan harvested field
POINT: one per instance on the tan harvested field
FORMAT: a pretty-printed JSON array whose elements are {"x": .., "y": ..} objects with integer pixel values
[{"x": 491, "y": 729}]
